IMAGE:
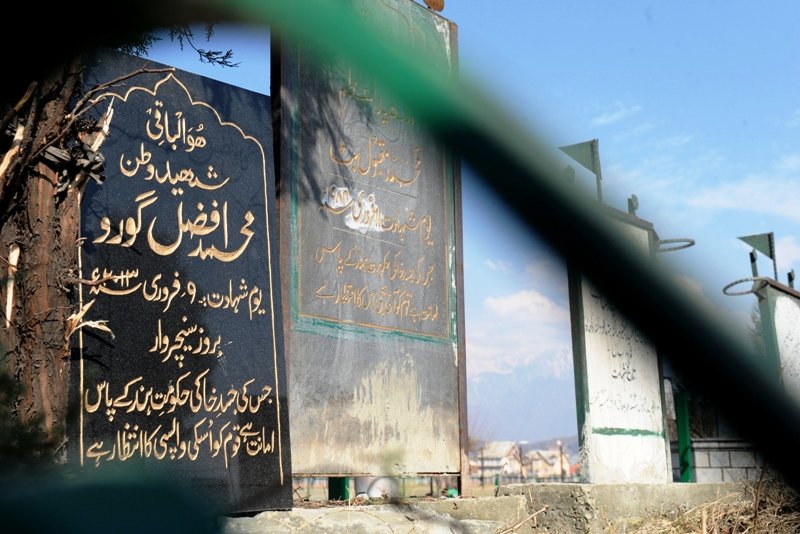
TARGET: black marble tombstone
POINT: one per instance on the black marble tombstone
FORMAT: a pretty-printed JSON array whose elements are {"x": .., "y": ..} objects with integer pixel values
[{"x": 179, "y": 259}]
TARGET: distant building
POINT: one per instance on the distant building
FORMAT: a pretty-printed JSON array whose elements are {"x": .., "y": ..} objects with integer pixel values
[
  {"x": 520, "y": 461},
  {"x": 496, "y": 458},
  {"x": 546, "y": 464}
]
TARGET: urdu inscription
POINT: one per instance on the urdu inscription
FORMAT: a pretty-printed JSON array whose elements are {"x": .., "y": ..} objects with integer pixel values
[
  {"x": 373, "y": 248},
  {"x": 369, "y": 247},
  {"x": 178, "y": 256},
  {"x": 619, "y": 383}
]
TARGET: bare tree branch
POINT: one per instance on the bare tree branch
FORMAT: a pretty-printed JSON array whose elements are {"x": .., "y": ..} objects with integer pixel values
[{"x": 85, "y": 104}]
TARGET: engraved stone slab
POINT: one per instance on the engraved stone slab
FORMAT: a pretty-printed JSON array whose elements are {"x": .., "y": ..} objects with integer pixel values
[
  {"x": 618, "y": 381},
  {"x": 787, "y": 332},
  {"x": 369, "y": 226},
  {"x": 179, "y": 251}
]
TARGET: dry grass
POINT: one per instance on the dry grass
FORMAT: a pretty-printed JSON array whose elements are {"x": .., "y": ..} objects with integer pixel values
[{"x": 766, "y": 506}]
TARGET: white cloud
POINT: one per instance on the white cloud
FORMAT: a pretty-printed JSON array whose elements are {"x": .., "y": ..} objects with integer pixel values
[
  {"x": 669, "y": 176},
  {"x": 499, "y": 266},
  {"x": 773, "y": 192},
  {"x": 526, "y": 305},
  {"x": 756, "y": 193},
  {"x": 559, "y": 363},
  {"x": 508, "y": 348},
  {"x": 519, "y": 329},
  {"x": 617, "y": 113},
  {"x": 634, "y": 134},
  {"x": 643, "y": 128}
]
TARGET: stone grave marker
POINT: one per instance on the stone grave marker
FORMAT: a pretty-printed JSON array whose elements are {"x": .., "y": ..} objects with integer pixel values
[
  {"x": 619, "y": 386},
  {"x": 180, "y": 261},
  {"x": 370, "y": 215}
]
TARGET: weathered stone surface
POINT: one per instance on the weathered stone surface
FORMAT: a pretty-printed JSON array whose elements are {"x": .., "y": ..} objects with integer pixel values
[
  {"x": 370, "y": 263},
  {"x": 567, "y": 507},
  {"x": 618, "y": 381},
  {"x": 594, "y": 507},
  {"x": 558, "y": 508},
  {"x": 506, "y": 509},
  {"x": 399, "y": 519}
]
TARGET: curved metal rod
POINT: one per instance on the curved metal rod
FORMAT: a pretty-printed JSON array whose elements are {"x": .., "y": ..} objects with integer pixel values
[
  {"x": 685, "y": 242},
  {"x": 755, "y": 287}
]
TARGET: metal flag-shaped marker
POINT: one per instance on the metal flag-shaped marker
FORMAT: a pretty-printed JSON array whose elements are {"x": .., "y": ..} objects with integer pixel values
[
  {"x": 588, "y": 155},
  {"x": 765, "y": 244}
]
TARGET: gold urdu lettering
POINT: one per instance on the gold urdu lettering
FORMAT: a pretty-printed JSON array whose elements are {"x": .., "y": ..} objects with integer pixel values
[
  {"x": 127, "y": 167},
  {"x": 105, "y": 225},
  {"x": 377, "y": 161},
  {"x": 156, "y": 114},
  {"x": 96, "y": 452},
  {"x": 225, "y": 256},
  {"x": 165, "y": 442},
  {"x": 158, "y": 248},
  {"x": 159, "y": 131}
]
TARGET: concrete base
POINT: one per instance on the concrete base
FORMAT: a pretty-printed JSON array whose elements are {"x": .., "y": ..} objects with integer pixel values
[
  {"x": 506, "y": 510},
  {"x": 394, "y": 519},
  {"x": 595, "y": 508},
  {"x": 568, "y": 508}
]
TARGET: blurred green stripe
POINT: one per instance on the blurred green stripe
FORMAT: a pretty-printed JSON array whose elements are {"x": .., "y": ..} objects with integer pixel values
[{"x": 516, "y": 166}]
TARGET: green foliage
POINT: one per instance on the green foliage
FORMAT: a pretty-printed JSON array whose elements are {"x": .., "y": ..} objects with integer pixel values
[
  {"x": 140, "y": 44},
  {"x": 185, "y": 36}
]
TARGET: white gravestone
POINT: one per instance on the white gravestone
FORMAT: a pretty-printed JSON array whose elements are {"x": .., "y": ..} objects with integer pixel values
[
  {"x": 619, "y": 385},
  {"x": 787, "y": 330}
]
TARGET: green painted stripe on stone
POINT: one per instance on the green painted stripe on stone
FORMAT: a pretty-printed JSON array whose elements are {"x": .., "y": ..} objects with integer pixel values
[
  {"x": 338, "y": 330},
  {"x": 636, "y": 432}
]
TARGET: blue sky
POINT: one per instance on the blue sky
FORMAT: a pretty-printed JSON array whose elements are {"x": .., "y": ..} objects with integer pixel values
[{"x": 696, "y": 106}]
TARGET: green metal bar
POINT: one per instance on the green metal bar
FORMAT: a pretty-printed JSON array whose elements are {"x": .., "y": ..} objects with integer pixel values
[
  {"x": 685, "y": 458},
  {"x": 754, "y": 263},
  {"x": 522, "y": 173},
  {"x": 702, "y": 348}
]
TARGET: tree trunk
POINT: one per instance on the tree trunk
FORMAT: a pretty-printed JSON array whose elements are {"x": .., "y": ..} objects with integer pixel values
[{"x": 38, "y": 219}]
